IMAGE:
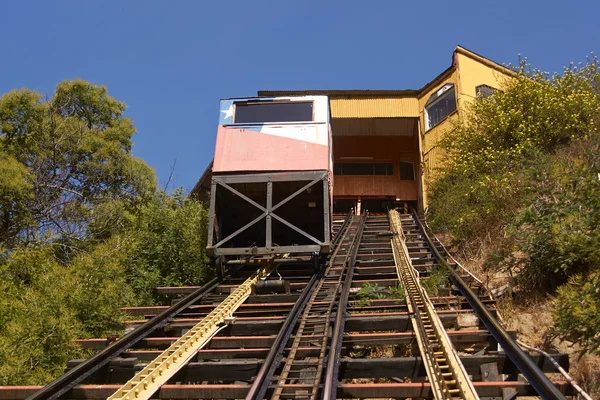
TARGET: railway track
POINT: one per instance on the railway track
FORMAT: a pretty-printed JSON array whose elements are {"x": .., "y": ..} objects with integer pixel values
[
  {"x": 387, "y": 318},
  {"x": 300, "y": 372},
  {"x": 445, "y": 372}
]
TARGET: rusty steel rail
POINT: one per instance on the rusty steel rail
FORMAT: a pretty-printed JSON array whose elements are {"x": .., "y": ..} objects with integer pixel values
[
  {"x": 338, "y": 234},
  {"x": 265, "y": 374},
  {"x": 534, "y": 375},
  {"x": 323, "y": 360},
  {"x": 314, "y": 326},
  {"x": 335, "y": 349}
]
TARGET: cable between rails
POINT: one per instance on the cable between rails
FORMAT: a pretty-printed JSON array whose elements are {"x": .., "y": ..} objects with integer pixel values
[{"x": 560, "y": 369}]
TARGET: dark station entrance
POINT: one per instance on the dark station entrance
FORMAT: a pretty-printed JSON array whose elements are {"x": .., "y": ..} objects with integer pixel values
[{"x": 376, "y": 161}]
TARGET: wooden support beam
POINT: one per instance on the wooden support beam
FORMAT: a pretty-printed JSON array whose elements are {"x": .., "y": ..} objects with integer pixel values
[
  {"x": 221, "y": 289},
  {"x": 373, "y": 321},
  {"x": 364, "y": 322},
  {"x": 230, "y": 370},
  {"x": 353, "y": 339}
]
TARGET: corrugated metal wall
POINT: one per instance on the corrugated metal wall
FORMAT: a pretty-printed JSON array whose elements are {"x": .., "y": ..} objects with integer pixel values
[
  {"x": 373, "y": 127},
  {"x": 374, "y": 107}
]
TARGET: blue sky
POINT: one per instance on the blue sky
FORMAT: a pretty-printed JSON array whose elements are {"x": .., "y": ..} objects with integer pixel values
[{"x": 171, "y": 62}]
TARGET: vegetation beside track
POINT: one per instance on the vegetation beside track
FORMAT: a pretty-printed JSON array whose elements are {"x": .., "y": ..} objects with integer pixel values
[
  {"x": 84, "y": 229},
  {"x": 522, "y": 185}
]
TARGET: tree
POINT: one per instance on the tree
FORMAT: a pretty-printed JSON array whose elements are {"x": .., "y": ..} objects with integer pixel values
[
  {"x": 16, "y": 188},
  {"x": 46, "y": 302},
  {"x": 83, "y": 229},
  {"x": 37, "y": 323},
  {"x": 169, "y": 234},
  {"x": 64, "y": 156}
]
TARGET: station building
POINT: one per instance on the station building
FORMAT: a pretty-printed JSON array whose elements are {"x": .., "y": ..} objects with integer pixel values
[{"x": 385, "y": 141}]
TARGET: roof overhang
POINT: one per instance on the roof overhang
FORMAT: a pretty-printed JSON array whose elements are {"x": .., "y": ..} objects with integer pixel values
[{"x": 360, "y": 93}]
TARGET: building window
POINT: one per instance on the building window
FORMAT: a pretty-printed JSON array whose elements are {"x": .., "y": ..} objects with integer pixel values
[
  {"x": 363, "y": 169},
  {"x": 248, "y": 113},
  {"x": 441, "y": 104},
  {"x": 483, "y": 91},
  {"x": 407, "y": 171}
]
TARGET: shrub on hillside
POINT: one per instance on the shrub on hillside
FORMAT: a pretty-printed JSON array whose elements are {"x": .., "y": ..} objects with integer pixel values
[
  {"x": 558, "y": 228},
  {"x": 83, "y": 229},
  {"x": 523, "y": 177},
  {"x": 577, "y": 314}
]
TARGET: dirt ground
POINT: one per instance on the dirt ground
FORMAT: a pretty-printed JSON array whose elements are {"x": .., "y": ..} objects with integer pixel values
[{"x": 532, "y": 324}]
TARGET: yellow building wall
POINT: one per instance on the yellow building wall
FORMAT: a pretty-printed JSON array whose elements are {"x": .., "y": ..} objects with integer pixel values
[
  {"x": 433, "y": 156},
  {"x": 473, "y": 71},
  {"x": 374, "y": 107},
  {"x": 470, "y": 71}
]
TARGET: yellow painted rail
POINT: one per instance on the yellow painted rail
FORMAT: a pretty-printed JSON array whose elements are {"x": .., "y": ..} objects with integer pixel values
[
  {"x": 158, "y": 372},
  {"x": 445, "y": 371}
]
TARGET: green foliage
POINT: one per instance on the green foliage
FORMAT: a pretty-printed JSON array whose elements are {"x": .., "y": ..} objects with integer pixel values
[
  {"x": 48, "y": 300},
  {"x": 577, "y": 314},
  {"x": 38, "y": 325},
  {"x": 396, "y": 292},
  {"x": 474, "y": 206},
  {"x": 63, "y": 157},
  {"x": 16, "y": 187},
  {"x": 483, "y": 181},
  {"x": 523, "y": 177},
  {"x": 558, "y": 229},
  {"x": 370, "y": 291},
  {"x": 437, "y": 279},
  {"x": 367, "y": 292},
  {"x": 102, "y": 287},
  {"x": 109, "y": 218},
  {"x": 170, "y": 241},
  {"x": 83, "y": 229},
  {"x": 533, "y": 113},
  {"x": 46, "y": 305}
]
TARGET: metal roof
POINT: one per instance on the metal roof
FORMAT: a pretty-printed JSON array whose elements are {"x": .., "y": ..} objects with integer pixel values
[
  {"x": 390, "y": 93},
  {"x": 339, "y": 93}
]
